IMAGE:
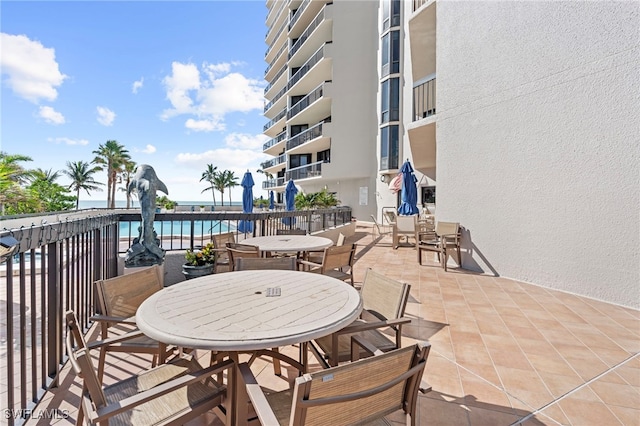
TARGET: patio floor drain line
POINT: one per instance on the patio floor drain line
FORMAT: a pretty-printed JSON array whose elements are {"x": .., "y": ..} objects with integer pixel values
[{"x": 577, "y": 388}]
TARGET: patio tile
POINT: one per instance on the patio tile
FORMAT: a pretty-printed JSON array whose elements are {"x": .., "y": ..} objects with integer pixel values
[{"x": 502, "y": 350}]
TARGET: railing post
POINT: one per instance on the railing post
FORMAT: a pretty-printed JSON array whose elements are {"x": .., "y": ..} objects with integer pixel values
[
  {"x": 54, "y": 315},
  {"x": 97, "y": 255}
]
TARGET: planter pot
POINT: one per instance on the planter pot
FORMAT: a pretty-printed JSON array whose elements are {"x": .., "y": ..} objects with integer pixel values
[{"x": 190, "y": 271}]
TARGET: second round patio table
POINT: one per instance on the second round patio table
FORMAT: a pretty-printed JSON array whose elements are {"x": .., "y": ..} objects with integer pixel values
[{"x": 289, "y": 243}]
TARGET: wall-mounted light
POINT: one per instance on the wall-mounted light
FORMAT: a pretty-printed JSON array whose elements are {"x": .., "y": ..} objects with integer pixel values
[
  {"x": 384, "y": 178},
  {"x": 8, "y": 246}
]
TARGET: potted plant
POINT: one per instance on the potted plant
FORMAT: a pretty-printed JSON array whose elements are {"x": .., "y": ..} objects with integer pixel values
[{"x": 199, "y": 262}]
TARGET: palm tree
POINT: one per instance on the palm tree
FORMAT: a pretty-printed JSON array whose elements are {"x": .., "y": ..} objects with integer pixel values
[
  {"x": 111, "y": 156},
  {"x": 81, "y": 175},
  {"x": 220, "y": 183},
  {"x": 210, "y": 176},
  {"x": 128, "y": 170},
  {"x": 230, "y": 180},
  {"x": 44, "y": 175},
  {"x": 12, "y": 175}
]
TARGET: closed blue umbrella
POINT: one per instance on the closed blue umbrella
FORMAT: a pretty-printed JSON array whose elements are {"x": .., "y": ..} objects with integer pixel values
[
  {"x": 247, "y": 201},
  {"x": 272, "y": 203},
  {"x": 290, "y": 192},
  {"x": 409, "y": 193}
]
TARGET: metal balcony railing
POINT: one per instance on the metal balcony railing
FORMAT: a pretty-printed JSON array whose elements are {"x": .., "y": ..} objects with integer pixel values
[
  {"x": 298, "y": 12},
  {"x": 274, "y": 162},
  {"x": 306, "y": 101},
  {"x": 57, "y": 263},
  {"x": 273, "y": 183},
  {"x": 304, "y": 172},
  {"x": 303, "y": 137},
  {"x": 275, "y": 98},
  {"x": 274, "y": 141},
  {"x": 305, "y": 35},
  {"x": 424, "y": 99},
  {"x": 277, "y": 76},
  {"x": 304, "y": 69},
  {"x": 277, "y": 118},
  {"x": 275, "y": 59}
]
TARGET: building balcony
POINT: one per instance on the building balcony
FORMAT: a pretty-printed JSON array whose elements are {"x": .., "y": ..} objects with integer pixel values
[
  {"x": 313, "y": 170},
  {"x": 314, "y": 139},
  {"x": 424, "y": 98},
  {"x": 422, "y": 41},
  {"x": 305, "y": 13},
  {"x": 275, "y": 126},
  {"x": 275, "y": 164},
  {"x": 277, "y": 17},
  {"x": 280, "y": 60},
  {"x": 278, "y": 102},
  {"x": 275, "y": 145},
  {"x": 318, "y": 32},
  {"x": 313, "y": 107},
  {"x": 315, "y": 70},
  {"x": 503, "y": 351},
  {"x": 274, "y": 46},
  {"x": 278, "y": 82},
  {"x": 275, "y": 184}
]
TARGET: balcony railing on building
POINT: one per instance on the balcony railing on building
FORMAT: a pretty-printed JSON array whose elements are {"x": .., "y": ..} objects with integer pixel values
[
  {"x": 277, "y": 118},
  {"x": 59, "y": 260},
  {"x": 298, "y": 12},
  {"x": 305, "y": 136},
  {"x": 271, "y": 142},
  {"x": 278, "y": 75},
  {"x": 304, "y": 69},
  {"x": 273, "y": 183},
  {"x": 305, "y": 35},
  {"x": 306, "y": 101},
  {"x": 304, "y": 172},
  {"x": 424, "y": 99},
  {"x": 274, "y": 161}
]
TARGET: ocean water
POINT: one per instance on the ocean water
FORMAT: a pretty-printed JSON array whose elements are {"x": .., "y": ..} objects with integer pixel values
[{"x": 102, "y": 204}]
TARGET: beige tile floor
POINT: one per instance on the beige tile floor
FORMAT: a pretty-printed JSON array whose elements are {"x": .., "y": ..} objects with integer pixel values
[{"x": 503, "y": 352}]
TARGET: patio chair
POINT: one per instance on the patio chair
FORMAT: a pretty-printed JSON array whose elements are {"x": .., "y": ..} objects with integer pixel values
[
  {"x": 117, "y": 301},
  {"x": 315, "y": 256},
  {"x": 359, "y": 392},
  {"x": 445, "y": 240},
  {"x": 404, "y": 227},
  {"x": 172, "y": 393},
  {"x": 384, "y": 302},
  {"x": 379, "y": 229},
  {"x": 220, "y": 246},
  {"x": 252, "y": 264},
  {"x": 237, "y": 250},
  {"x": 337, "y": 262}
]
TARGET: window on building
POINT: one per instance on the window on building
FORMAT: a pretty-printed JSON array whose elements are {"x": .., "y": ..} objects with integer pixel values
[
  {"x": 390, "y": 14},
  {"x": 428, "y": 194},
  {"x": 324, "y": 156},
  {"x": 390, "y": 100},
  {"x": 389, "y": 147},
  {"x": 391, "y": 53},
  {"x": 299, "y": 160},
  {"x": 298, "y": 128}
]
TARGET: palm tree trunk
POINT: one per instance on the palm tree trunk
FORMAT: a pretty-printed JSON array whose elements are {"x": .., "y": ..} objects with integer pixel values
[{"x": 77, "y": 198}]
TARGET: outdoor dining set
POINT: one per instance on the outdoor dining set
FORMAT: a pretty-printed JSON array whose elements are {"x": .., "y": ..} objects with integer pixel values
[{"x": 277, "y": 298}]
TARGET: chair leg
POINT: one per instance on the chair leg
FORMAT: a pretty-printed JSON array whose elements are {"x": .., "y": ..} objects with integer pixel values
[
  {"x": 459, "y": 258},
  {"x": 101, "y": 362}
]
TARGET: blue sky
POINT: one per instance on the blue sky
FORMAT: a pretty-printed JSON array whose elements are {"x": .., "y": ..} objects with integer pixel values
[{"x": 178, "y": 83}]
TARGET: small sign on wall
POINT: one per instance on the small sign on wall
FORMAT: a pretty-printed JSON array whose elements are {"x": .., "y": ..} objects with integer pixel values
[{"x": 364, "y": 195}]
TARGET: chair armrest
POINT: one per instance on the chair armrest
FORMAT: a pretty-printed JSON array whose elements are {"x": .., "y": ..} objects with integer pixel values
[
  {"x": 127, "y": 404},
  {"x": 364, "y": 326},
  {"x": 308, "y": 263},
  {"x": 424, "y": 386},
  {"x": 105, "y": 318},
  {"x": 110, "y": 341},
  {"x": 249, "y": 385},
  {"x": 359, "y": 342}
]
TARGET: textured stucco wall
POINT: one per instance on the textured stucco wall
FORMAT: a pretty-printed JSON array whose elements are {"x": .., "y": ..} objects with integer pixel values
[{"x": 538, "y": 141}]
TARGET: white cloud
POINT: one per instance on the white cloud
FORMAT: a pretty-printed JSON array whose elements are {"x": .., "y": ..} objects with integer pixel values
[
  {"x": 204, "y": 125},
  {"x": 69, "y": 141},
  {"x": 137, "y": 85},
  {"x": 105, "y": 116},
  {"x": 209, "y": 95},
  {"x": 31, "y": 69},
  {"x": 149, "y": 149},
  {"x": 246, "y": 141},
  {"x": 223, "y": 158},
  {"x": 50, "y": 115}
]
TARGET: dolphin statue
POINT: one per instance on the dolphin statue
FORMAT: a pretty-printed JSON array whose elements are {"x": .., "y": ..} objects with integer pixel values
[{"x": 146, "y": 184}]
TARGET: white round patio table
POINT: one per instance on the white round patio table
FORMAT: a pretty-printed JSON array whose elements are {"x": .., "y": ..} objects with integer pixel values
[
  {"x": 232, "y": 312},
  {"x": 289, "y": 243}
]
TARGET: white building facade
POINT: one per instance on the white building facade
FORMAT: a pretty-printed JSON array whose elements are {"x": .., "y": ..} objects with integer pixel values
[{"x": 523, "y": 115}]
